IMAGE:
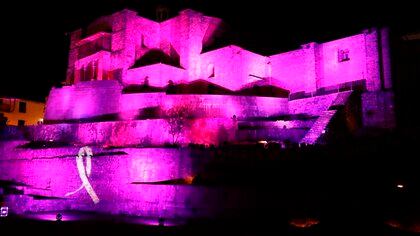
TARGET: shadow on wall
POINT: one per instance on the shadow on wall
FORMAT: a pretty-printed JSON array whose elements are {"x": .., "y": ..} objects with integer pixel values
[
  {"x": 155, "y": 56},
  {"x": 14, "y": 133}
]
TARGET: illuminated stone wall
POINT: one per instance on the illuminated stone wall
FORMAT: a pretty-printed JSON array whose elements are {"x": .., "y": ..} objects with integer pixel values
[
  {"x": 335, "y": 72},
  {"x": 103, "y": 62},
  {"x": 211, "y": 106},
  {"x": 99, "y": 98},
  {"x": 83, "y": 100},
  {"x": 317, "y": 65},
  {"x": 150, "y": 132},
  {"x": 123, "y": 179},
  {"x": 156, "y": 75},
  {"x": 232, "y": 67},
  {"x": 313, "y": 66},
  {"x": 313, "y": 105},
  {"x": 295, "y": 70},
  {"x": 132, "y": 36},
  {"x": 378, "y": 110}
]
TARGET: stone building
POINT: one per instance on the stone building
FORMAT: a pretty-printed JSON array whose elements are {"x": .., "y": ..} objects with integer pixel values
[
  {"x": 20, "y": 112},
  {"x": 126, "y": 72}
]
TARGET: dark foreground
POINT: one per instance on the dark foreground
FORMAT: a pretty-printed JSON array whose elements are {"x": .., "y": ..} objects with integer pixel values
[
  {"x": 266, "y": 225},
  {"x": 370, "y": 187}
]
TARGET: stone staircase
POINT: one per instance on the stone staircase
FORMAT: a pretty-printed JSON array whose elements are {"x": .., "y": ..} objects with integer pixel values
[
  {"x": 324, "y": 119},
  {"x": 318, "y": 127},
  {"x": 341, "y": 99}
]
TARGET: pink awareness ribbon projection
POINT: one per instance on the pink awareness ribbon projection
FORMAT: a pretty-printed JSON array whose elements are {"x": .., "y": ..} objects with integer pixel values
[{"x": 84, "y": 173}]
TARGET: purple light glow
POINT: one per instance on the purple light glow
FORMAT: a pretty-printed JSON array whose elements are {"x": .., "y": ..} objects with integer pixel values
[
  {"x": 155, "y": 221},
  {"x": 52, "y": 216},
  {"x": 313, "y": 69},
  {"x": 319, "y": 81},
  {"x": 71, "y": 216},
  {"x": 112, "y": 177}
]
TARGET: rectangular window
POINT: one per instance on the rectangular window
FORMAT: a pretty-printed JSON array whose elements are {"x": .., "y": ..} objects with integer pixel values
[
  {"x": 343, "y": 55},
  {"x": 22, "y": 107},
  {"x": 21, "y": 122}
]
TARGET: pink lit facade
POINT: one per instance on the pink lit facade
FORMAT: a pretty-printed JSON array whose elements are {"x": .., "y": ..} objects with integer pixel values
[
  {"x": 111, "y": 46},
  {"x": 125, "y": 75},
  {"x": 123, "y": 50}
]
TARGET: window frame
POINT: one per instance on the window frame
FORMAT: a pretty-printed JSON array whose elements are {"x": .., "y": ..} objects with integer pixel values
[{"x": 22, "y": 107}]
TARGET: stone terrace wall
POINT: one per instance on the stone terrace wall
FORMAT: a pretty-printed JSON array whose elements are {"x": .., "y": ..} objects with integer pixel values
[
  {"x": 139, "y": 132},
  {"x": 100, "y": 98},
  {"x": 51, "y": 173},
  {"x": 378, "y": 110},
  {"x": 313, "y": 105},
  {"x": 211, "y": 106},
  {"x": 83, "y": 100}
]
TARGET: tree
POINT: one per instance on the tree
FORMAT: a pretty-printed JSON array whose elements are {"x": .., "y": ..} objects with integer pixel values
[{"x": 178, "y": 120}]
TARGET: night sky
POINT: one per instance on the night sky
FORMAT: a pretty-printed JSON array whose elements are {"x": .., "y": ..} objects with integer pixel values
[{"x": 36, "y": 42}]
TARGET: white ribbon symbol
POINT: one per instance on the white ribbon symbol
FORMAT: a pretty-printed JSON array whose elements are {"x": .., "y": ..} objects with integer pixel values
[{"x": 84, "y": 173}]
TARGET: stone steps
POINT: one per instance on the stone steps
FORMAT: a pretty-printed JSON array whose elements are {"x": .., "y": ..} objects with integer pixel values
[
  {"x": 318, "y": 128},
  {"x": 341, "y": 98},
  {"x": 324, "y": 119}
]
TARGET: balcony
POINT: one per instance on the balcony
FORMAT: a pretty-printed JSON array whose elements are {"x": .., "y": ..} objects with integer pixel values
[{"x": 93, "y": 44}]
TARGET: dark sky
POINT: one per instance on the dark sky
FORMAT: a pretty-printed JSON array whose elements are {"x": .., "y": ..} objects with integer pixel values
[{"x": 36, "y": 44}]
